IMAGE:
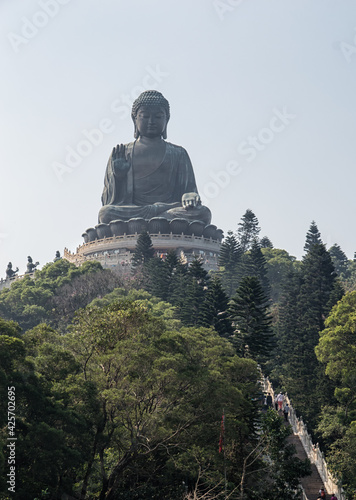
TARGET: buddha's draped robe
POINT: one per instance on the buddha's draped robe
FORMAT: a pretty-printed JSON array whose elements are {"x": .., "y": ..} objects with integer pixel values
[{"x": 158, "y": 193}]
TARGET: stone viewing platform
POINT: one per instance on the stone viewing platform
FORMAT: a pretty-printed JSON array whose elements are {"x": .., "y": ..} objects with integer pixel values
[{"x": 116, "y": 251}]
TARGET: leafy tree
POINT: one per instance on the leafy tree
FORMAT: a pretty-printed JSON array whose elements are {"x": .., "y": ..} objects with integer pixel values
[
  {"x": 249, "y": 313},
  {"x": 337, "y": 351},
  {"x": 57, "y": 290},
  {"x": 248, "y": 230},
  {"x": 337, "y": 348},
  {"x": 284, "y": 468},
  {"x": 313, "y": 237},
  {"x": 160, "y": 393},
  {"x": 43, "y": 423}
]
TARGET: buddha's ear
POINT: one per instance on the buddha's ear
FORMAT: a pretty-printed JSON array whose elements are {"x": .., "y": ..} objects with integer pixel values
[
  {"x": 164, "y": 133},
  {"x": 136, "y": 132}
]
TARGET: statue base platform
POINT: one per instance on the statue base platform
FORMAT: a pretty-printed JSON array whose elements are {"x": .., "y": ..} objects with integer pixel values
[{"x": 115, "y": 252}]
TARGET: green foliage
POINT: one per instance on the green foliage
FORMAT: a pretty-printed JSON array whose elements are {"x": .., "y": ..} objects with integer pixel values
[
  {"x": 312, "y": 238},
  {"x": 279, "y": 265},
  {"x": 340, "y": 261},
  {"x": 144, "y": 250},
  {"x": 265, "y": 242},
  {"x": 285, "y": 469},
  {"x": 160, "y": 391},
  {"x": 229, "y": 257},
  {"x": 214, "y": 310},
  {"x": 255, "y": 265},
  {"x": 308, "y": 297},
  {"x": 248, "y": 230},
  {"x": 249, "y": 313},
  {"x": 192, "y": 295},
  {"x": 50, "y": 438},
  {"x": 337, "y": 348},
  {"x": 55, "y": 293}
]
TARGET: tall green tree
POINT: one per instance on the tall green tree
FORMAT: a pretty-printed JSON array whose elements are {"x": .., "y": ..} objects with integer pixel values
[
  {"x": 313, "y": 237},
  {"x": 308, "y": 298},
  {"x": 279, "y": 264},
  {"x": 160, "y": 394},
  {"x": 340, "y": 261},
  {"x": 144, "y": 250},
  {"x": 252, "y": 321},
  {"x": 215, "y": 309},
  {"x": 337, "y": 351},
  {"x": 229, "y": 257},
  {"x": 265, "y": 242},
  {"x": 248, "y": 230},
  {"x": 255, "y": 265},
  {"x": 196, "y": 284}
]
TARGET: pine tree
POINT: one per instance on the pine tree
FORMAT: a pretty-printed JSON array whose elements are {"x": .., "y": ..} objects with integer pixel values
[
  {"x": 256, "y": 266},
  {"x": 249, "y": 313},
  {"x": 340, "y": 260},
  {"x": 144, "y": 250},
  {"x": 313, "y": 237},
  {"x": 214, "y": 310},
  {"x": 248, "y": 230},
  {"x": 265, "y": 242},
  {"x": 229, "y": 258},
  {"x": 157, "y": 278},
  {"x": 195, "y": 281},
  {"x": 307, "y": 299}
]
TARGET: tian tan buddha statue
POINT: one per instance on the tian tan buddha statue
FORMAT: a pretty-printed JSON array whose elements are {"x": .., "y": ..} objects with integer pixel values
[{"x": 150, "y": 177}]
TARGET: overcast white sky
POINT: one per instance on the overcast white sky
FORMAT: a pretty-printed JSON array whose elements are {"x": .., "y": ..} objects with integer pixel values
[{"x": 262, "y": 95}]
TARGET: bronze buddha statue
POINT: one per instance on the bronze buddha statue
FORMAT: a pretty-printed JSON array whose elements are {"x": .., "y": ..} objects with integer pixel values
[{"x": 150, "y": 177}]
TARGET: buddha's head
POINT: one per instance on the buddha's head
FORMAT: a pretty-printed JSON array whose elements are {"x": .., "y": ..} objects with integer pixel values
[{"x": 150, "y": 114}]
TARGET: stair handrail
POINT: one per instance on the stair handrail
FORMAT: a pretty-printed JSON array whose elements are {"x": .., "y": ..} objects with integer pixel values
[{"x": 315, "y": 455}]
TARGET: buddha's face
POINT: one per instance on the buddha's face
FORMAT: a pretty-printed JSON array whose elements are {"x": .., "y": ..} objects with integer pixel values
[{"x": 151, "y": 121}]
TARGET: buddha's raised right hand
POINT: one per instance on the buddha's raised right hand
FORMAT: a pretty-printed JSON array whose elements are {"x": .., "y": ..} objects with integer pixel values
[{"x": 118, "y": 160}]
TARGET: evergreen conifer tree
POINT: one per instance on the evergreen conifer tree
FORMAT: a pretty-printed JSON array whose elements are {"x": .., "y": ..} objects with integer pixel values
[
  {"x": 214, "y": 310},
  {"x": 248, "y": 230},
  {"x": 340, "y": 260},
  {"x": 195, "y": 281},
  {"x": 307, "y": 299},
  {"x": 256, "y": 266},
  {"x": 144, "y": 250},
  {"x": 229, "y": 258},
  {"x": 265, "y": 242},
  {"x": 313, "y": 237},
  {"x": 252, "y": 321}
]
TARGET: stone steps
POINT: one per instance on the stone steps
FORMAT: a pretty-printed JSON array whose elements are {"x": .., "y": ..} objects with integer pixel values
[{"x": 313, "y": 483}]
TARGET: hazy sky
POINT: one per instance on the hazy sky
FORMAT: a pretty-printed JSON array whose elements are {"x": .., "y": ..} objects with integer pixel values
[{"x": 262, "y": 95}]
